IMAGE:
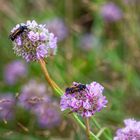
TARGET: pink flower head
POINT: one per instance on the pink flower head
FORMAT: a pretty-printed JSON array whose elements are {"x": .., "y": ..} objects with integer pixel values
[
  {"x": 131, "y": 131},
  {"x": 48, "y": 115},
  {"x": 32, "y": 95},
  {"x": 33, "y": 36},
  {"x": 41, "y": 51},
  {"x": 7, "y": 103},
  {"x": 86, "y": 100},
  {"x": 14, "y": 71},
  {"x": 111, "y": 12},
  {"x": 58, "y": 28},
  {"x": 35, "y": 42},
  {"x": 88, "y": 42},
  {"x": 42, "y": 36}
]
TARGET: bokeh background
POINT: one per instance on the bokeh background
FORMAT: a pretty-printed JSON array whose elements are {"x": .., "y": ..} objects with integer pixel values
[{"x": 98, "y": 40}]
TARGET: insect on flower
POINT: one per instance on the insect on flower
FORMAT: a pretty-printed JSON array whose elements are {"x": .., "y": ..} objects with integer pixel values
[
  {"x": 17, "y": 32},
  {"x": 87, "y": 102},
  {"x": 33, "y": 41},
  {"x": 75, "y": 88}
]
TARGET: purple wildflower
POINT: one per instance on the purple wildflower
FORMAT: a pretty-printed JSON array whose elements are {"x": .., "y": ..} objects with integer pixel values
[
  {"x": 13, "y": 71},
  {"x": 88, "y": 42},
  {"x": 131, "y": 131},
  {"x": 7, "y": 103},
  {"x": 111, "y": 12},
  {"x": 41, "y": 51},
  {"x": 58, "y": 28},
  {"x": 32, "y": 95},
  {"x": 48, "y": 115},
  {"x": 33, "y": 36},
  {"x": 43, "y": 36},
  {"x": 85, "y": 102},
  {"x": 32, "y": 42}
]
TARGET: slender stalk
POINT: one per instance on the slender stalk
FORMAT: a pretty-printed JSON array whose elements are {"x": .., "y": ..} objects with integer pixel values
[
  {"x": 43, "y": 66},
  {"x": 101, "y": 131},
  {"x": 48, "y": 78},
  {"x": 87, "y": 128},
  {"x": 60, "y": 92},
  {"x": 99, "y": 127},
  {"x": 95, "y": 122},
  {"x": 93, "y": 137}
]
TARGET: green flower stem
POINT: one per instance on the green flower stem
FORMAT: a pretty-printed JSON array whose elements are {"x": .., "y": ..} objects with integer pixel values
[
  {"x": 95, "y": 122},
  {"x": 87, "y": 128},
  {"x": 92, "y": 136},
  {"x": 99, "y": 127},
  {"x": 60, "y": 92},
  {"x": 101, "y": 132}
]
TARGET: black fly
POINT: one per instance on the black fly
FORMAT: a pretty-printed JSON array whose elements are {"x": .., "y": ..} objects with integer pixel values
[
  {"x": 17, "y": 32},
  {"x": 76, "y": 88}
]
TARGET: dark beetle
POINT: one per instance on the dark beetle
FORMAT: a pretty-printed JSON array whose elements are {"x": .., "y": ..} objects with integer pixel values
[{"x": 17, "y": 32}]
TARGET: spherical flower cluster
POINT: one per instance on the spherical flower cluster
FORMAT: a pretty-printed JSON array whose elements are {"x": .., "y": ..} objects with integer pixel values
[
  {"x": 58, "y": 28},
  {"x": 48, "y": 115},
  {"x": 35, "y": 42},
  {"x": 7, "y": 103},
  {"x": 88, "y": 42},
  {"x": 85, "y": 102},
  {"x": 34, "y": 98},
  {"x": 32, "y": 95},
  {"x": 111, "y": 12},
  {"x": 131, "y": 131},
  {"x": 14, "y": 71}
]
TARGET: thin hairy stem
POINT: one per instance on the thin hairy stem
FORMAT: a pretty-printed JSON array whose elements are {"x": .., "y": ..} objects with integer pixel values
[
  {"x": 48, "y": 78},
  {"x": 43, "y": 66},
  {"x": 87, "y": 128}
]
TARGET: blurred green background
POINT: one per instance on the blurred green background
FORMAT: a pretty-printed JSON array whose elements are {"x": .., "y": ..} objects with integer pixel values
[{"x": 112, "y": 58}]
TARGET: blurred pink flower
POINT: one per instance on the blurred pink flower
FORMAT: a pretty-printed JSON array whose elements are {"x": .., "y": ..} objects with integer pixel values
[
  {"x": 111, "y": 12},
  {"x": 58, "y": 28},
  {"x": 14, "y": 71},
  {"x": 33, "y": 94},
  {"x": 88, "y": 42},
  {"x": 131, "y": 131},
  {"x": 7, "y": 102},
  {"x": 48, "y": 115}
]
